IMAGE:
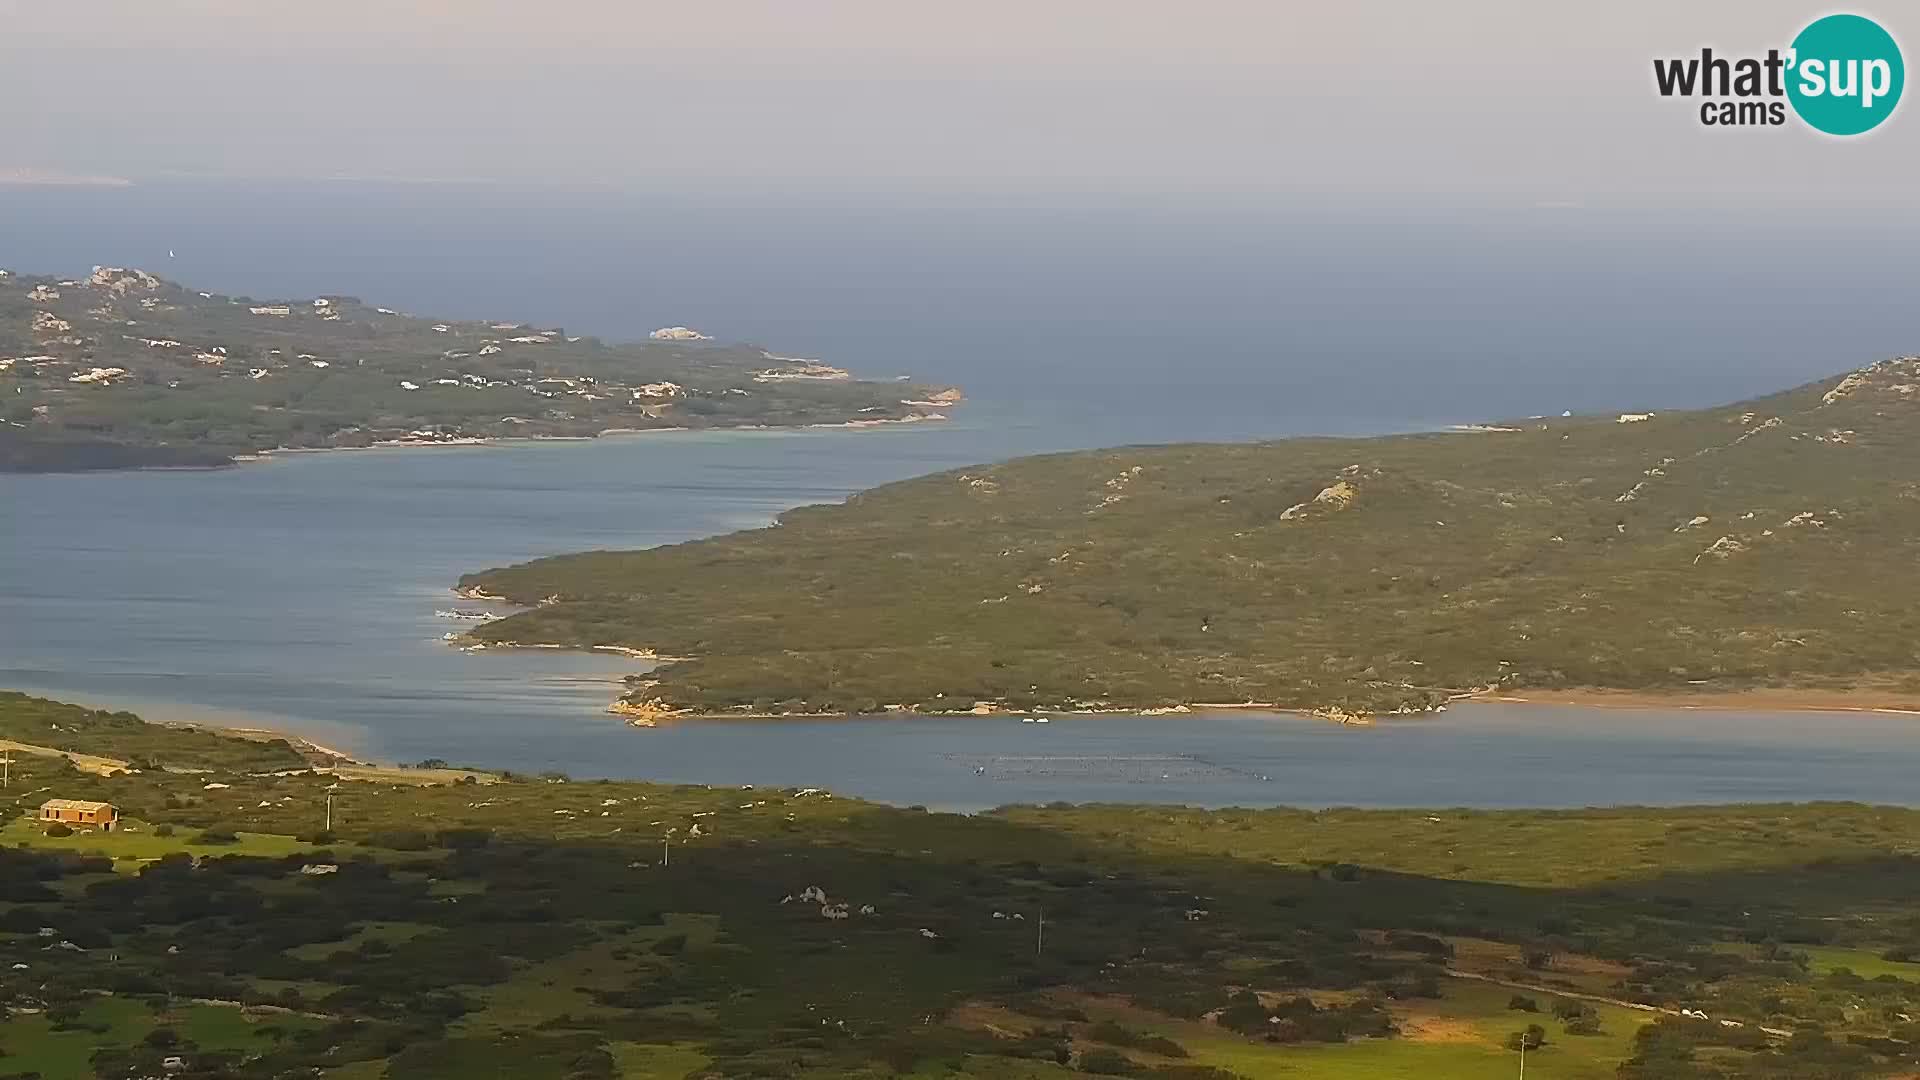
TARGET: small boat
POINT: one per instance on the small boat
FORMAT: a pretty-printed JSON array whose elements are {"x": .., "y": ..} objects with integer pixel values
[
  {"x": 1040, "y": 720},
  {"x": 1028, "y": 720}
]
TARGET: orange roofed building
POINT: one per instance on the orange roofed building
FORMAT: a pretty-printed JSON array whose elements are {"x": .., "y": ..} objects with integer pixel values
[{"x": 80, "y": 813}]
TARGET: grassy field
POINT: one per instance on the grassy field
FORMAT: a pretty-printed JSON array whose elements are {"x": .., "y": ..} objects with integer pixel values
[
  {"x": 36, "y": 1044},
  {"x": 1865, "y": 963},
  {"x": 383, "y": 933},
  {"x": 1761, "y": 544},
  {"x": 645, "y": 1061},
  {"x": 526, "y": 929},
  {"x": 1459, "y": 1036},
  {"x": 135, "y": 843}
]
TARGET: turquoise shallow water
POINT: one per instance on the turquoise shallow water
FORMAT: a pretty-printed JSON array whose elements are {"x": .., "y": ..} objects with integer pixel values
[{"x": 301, "y": 593}]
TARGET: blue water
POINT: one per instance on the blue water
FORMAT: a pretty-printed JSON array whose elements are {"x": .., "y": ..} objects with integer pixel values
[{"x": 301, "y": 591}]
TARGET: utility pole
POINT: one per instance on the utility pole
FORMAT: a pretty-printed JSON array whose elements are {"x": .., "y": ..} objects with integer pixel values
[
  {"x": 329, "y": 811},
  {"x": 1039, "y": 931},
  {"x": 1523, "y": 1056},
  {"x": 6, "y": 766}
]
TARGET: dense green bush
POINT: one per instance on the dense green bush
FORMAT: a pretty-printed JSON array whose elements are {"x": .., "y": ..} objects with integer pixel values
[
  {"x": 1533, "y": 1038},
  {"x": 1102, "y": 1062},
  {"x": 399, "y": 840},
  {"x": 1113, "y": 1034},
  {"x": 464, "y": 839}
]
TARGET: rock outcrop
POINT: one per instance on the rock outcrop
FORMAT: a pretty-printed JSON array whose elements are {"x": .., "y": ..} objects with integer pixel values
[
  {"x": 119, "y": 280},
  {"x": 1331, "y": 498}
]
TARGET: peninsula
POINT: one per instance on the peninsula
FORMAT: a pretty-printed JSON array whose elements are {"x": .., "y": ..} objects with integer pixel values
[
  {"x": 123, "y": 368},
  {"x": 1768, "y": 544}
]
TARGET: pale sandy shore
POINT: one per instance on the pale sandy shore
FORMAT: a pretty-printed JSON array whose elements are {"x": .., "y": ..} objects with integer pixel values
[
  {"x": 469, "y": 442},
  {"x": 1770, "y": 700},
  {"x": 504, "y": 646},
  {"x": 345, "y": 766},
  {"x": 1874, "y": 700},
  {"x": 261, "y": 734}
]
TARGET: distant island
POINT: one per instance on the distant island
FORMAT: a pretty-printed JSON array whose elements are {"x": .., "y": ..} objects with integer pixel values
[
  {"x": 1769, "y": 545},
  {"x": 123, "y": 368}
]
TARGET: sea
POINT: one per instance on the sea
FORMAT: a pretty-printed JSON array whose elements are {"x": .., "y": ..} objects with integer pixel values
[{"x": 301, "y": 592}]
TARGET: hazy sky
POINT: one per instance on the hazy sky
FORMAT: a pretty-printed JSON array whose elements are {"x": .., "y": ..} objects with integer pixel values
[{"x": 1527, "y": 101}]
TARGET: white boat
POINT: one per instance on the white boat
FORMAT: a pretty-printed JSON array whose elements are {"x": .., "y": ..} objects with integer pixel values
[
  {"x": 1040, "y": 720},
  {"x": 1028, "y": 720}
]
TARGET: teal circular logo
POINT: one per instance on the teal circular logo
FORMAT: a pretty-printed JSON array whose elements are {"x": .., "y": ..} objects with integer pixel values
[{"x": 1845, "y": 74}]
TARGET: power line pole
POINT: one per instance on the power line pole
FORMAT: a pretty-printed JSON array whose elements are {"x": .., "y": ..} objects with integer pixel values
[
  {"x": 1039, "y": 931},
  {"x": 329, "y": 811}
]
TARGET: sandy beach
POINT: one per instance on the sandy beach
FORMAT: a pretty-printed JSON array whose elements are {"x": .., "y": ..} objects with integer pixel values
[
  {"x": 1770, "y": 699},
  {"x": 470, "y": 441}
]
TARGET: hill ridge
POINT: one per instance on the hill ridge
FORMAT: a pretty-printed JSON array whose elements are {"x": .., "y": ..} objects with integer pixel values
[
  {"x": 1767, "y": 543},
  {"x": 124, "y": 367}
]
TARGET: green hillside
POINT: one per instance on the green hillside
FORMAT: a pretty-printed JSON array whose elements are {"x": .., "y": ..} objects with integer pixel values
[
  {"x": 1768, "y": 543},
  {"x": 123, "y": 368},
  {"x": 542, "y": 929}
]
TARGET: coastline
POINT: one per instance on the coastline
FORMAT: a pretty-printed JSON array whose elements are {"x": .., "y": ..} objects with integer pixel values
[
  {"x": 1861, "y": 699},
  {"x": 1766, "y": 699},
  {"x": 339, "y": 763},
  {"x": 1758, "y": 701},
  {"x": 468, "y": 442},
  {"x": 243, "y": 458},
  {"x": 346, "y": 766},
  {"x": 464, "y": 644},
  {"x": 1763, "y": 699},
  {"x": 300, "y": 743},
  {"x": 320, "y": 757},
  {"x": 642, "y": 715}
]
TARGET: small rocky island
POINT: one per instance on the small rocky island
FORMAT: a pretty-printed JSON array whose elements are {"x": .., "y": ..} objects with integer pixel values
[{"x": 123, "y": 368}]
